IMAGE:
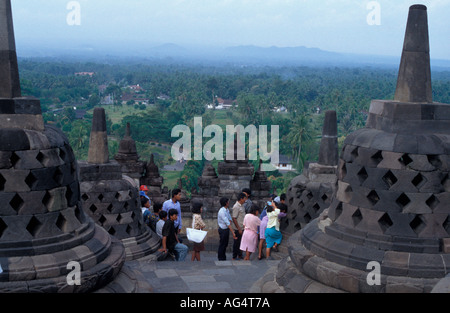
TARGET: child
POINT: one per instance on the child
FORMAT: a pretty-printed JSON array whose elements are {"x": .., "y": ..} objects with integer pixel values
[
  {"x": 262, "y": 235},
  {"x": 152, "y": 219},
  {"x": 170, "y": 242},
  {"x": 197, "y": 223},
  {"x": 250, "y": 237},
  {"x": 145, "y": 204},
  {"x": 283, "y": 210},
  {"x": 281, "y": 199},
  {"x": 273, "y": 234},
  {"x": 161, "y": 222},
  {"x": 269, "y": 203}
]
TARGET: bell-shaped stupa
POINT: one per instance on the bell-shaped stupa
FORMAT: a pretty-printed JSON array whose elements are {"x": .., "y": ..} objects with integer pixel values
[
  {"x": 128, "y": 158},
  {"x": 235, "y": 173},
  {"x": 110, "y": 199},
  {"x": 154, "y": 182},
  {"x": 208, "y": 191},
  {"x": 310, "y": 194},
  {"x": 43, "y": 228},
  {"x": 391, "y": 213}
]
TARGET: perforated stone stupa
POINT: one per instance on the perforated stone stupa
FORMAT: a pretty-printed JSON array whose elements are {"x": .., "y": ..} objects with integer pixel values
[
  {"x": 128, "y": 158},
  {"x": 235, "y": 174},
  {"x": 208, "y": 193},
  {"x": 110, "y": 199},
  {"x": 42, "y": 224},
  {"x": 310, "y": 193},
  {"x": 392, "y": 203},
  {"x": 260, "y": 187},
  {"x": 154, "y": 181}
]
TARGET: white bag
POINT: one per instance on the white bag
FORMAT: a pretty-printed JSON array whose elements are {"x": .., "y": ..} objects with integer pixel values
[{"x": 195, "y": 235}]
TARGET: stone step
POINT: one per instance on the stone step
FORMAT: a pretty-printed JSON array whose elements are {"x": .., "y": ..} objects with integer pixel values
[{"x": 283, "y": 252}]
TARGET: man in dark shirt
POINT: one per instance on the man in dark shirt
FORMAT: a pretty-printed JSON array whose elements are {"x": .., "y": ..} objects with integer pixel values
[
  {"x": 248, "y": 203},
  {"x": 170, "y": 242}
]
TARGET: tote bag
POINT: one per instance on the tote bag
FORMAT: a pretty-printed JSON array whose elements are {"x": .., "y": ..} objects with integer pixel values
[{"x": 196, "y": 235}]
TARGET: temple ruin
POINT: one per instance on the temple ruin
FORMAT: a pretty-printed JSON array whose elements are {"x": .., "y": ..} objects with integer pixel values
[
  {"x": 310, "y": 194},
  {"x": 391, "y": 206},
  {"x": 43, "y": 227},
  {"x": 110, "y": 199}
]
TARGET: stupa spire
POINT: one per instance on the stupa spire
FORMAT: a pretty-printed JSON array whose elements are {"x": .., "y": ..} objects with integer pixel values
[
  {"x": 414, "y": 78},
  {"x": 329, "y": 154},
  {"x": 9, "y": 70},
  {"x": 387, "y": 208},
  {"x": 43, "y": 227},
  {"x": 98, "y": 145}
]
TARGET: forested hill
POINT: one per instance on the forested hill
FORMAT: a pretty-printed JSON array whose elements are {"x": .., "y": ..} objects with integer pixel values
[
  {"x": 172, "y": 94},
  {"x": 248, "y": 55}
]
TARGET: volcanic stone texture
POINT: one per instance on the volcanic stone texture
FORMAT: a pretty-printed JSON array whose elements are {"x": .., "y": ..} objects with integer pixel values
[
  {"x": 42, "y": 224},
  {"x": 311, "y": 193},
  {"x": 43, "y": 228},
  {"x": 154, "y": 181},
  {"x": 260, "y": 187},
  {"x": 113, "y": 203},
  {"x": 392, "y": 202},
  {"x": 234, "y": 175},
  {"x": 307, "y": 199},
  {"x": 208, "y": 192},
  {"x": 128, "y": 158}
]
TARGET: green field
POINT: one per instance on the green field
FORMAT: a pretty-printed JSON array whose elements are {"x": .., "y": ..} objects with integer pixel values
[
  {"x": 171, "y": 179},
  {"x": 222, "y": 119},
  {"x": 117, "y": 113}
]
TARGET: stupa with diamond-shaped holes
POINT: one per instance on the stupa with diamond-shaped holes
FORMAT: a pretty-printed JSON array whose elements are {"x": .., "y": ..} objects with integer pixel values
[
  {"x": 310, "y": 194},
  {"x": 128, "y": 157},
  {"x": 43, "y": 227},
  {"x": 110, "y": 199},
  {"x": 392, "y": 205}
]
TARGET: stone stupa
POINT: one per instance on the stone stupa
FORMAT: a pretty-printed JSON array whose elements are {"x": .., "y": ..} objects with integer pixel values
[
  {"x": 310, "y": 194},
  {"x": 392, "y": 203},
  {"x": 43, "y": 227},
  {"x": 154, "y": 181},
  {"x": 235, "y": 173},
  {"x": 260, "y": 187},
  {"x": 208, "y": 190},
  {"x": 110, "y": 199},
  {"x": 128, "y": 158}
]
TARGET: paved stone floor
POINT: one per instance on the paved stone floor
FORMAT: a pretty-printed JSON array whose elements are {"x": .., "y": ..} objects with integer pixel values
[{"x": 207, "y": 276}]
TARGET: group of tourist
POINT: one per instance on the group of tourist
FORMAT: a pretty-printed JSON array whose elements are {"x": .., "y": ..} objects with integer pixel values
[
  {"x": 252, "y": 227},
  {"x": 248, "y": 224},
  {"x": 166, "y": 222}
]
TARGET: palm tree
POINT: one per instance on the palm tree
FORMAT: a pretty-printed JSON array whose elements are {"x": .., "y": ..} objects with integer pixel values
[{"x": 300, "y": 134}]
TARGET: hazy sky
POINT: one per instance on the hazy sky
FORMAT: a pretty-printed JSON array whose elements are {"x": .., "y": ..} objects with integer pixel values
[{"x": 334, "y": 25}]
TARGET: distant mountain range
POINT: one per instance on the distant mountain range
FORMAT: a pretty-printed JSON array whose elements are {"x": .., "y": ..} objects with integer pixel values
[
  {"x": 238, "y": 55},
  {"x": 281, "y": 55}
]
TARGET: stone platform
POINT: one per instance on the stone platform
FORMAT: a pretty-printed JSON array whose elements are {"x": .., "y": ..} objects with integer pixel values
[{"x": 208, "y": 276}]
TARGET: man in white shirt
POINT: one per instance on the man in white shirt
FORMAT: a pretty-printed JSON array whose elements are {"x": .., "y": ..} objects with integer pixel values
[
  {"x": 238, "y": 216},
  {"x": 161, "y": 222},
  {"x": 174, "y": 203},
  {"x": 224, "y": 220}
]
